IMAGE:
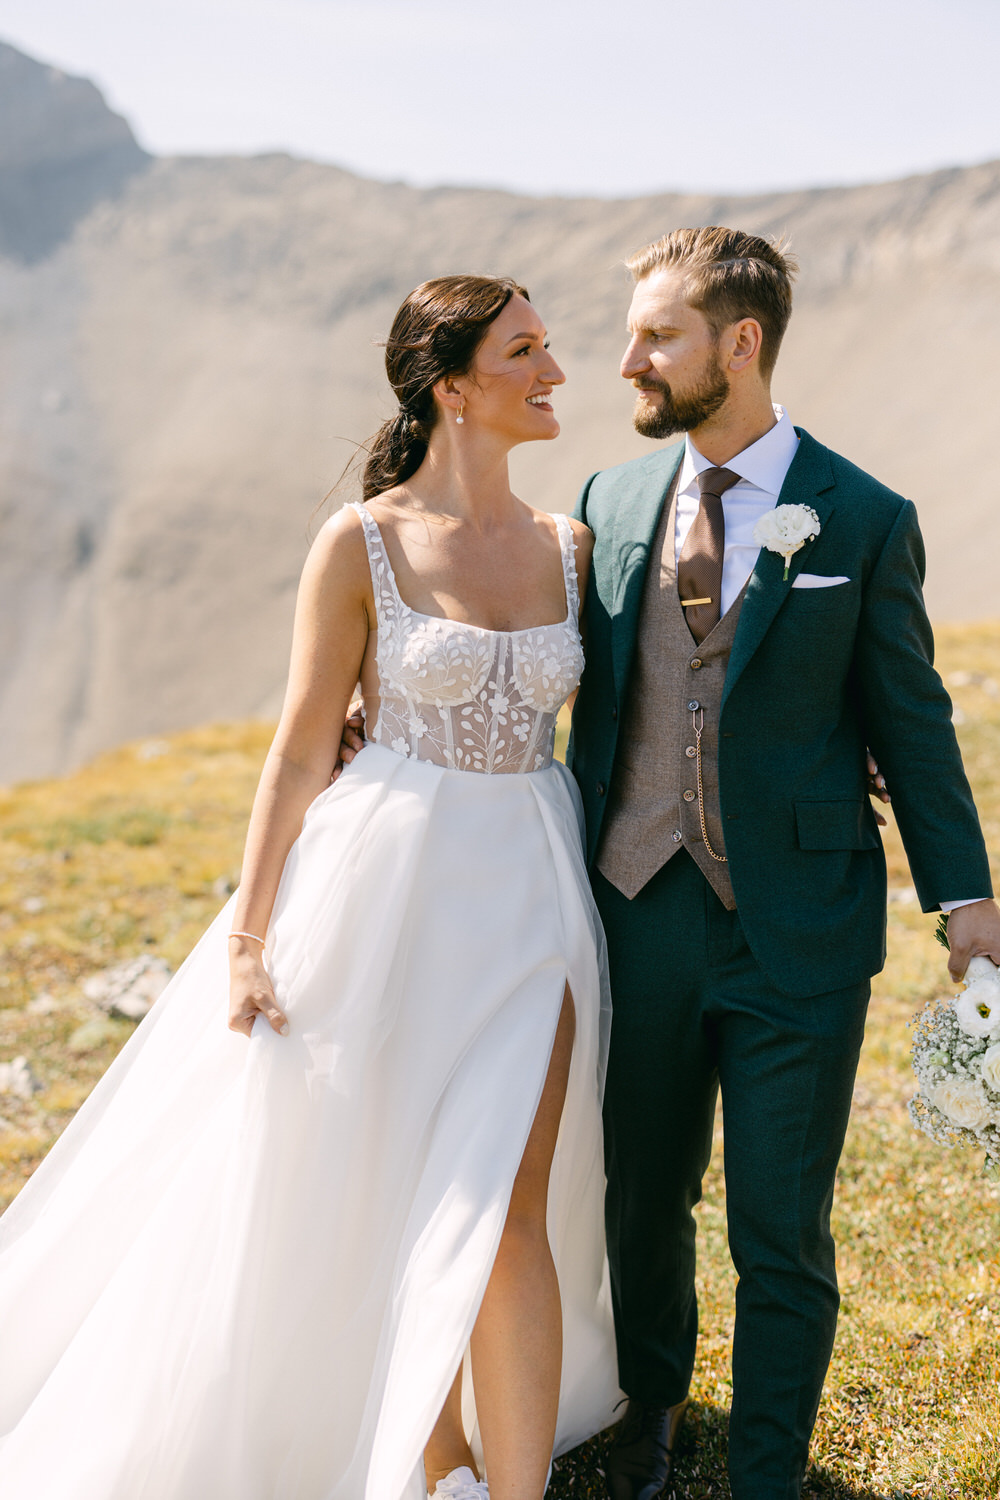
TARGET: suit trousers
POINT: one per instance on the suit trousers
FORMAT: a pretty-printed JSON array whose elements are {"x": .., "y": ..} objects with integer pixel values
[{"x": 695, "y": 1014}]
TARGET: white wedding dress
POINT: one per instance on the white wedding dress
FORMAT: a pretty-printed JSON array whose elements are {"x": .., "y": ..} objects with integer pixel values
[{"x": 250, "y": 1270}]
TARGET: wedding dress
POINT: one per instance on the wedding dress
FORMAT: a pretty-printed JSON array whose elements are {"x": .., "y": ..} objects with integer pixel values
[{"x": 250, "y": 1270}]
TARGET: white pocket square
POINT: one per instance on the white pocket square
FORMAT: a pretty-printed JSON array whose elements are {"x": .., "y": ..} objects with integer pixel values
[{"x": 816, "y": 581}]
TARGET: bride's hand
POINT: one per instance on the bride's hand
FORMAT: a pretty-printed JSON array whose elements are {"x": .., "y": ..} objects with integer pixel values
[{"x": 251, "y": 993}]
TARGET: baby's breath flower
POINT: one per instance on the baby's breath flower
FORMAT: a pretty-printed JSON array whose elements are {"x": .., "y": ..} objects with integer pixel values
[{"x": 957, "y": 1064}]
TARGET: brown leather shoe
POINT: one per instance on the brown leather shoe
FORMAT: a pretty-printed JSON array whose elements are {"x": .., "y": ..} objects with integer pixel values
[{"x": 641, "y": 1458}]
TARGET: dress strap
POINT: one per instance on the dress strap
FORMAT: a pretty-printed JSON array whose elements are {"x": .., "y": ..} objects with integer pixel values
[
  {"x": 567, "y": 549},
  {"x": 387, "y": 600}
]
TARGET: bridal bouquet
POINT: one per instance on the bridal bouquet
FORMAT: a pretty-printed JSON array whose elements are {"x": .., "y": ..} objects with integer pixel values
[{"x": 956, "y": 1057}]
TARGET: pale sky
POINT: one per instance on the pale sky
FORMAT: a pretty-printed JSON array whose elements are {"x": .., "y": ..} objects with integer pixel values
[{"x": 567, "y": 96}]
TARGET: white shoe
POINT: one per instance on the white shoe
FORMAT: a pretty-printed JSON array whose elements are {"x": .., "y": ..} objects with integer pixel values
[{"x": 461, "y": 1484}]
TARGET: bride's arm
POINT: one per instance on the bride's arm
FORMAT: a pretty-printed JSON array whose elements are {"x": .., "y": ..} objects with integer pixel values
[
  {"x": 328, "y": 644},
  {"x": 584, "y": 538}
]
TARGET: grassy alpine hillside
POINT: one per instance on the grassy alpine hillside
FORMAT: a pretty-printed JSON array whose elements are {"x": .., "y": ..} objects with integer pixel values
[{"x": 136, "y": 852}]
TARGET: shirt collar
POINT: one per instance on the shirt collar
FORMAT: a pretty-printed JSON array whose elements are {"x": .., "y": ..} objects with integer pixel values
[{"x": 763, "y": 464}]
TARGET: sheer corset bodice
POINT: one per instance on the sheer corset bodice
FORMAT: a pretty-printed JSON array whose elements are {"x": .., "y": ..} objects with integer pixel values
[{"x": 462, "y": 696}]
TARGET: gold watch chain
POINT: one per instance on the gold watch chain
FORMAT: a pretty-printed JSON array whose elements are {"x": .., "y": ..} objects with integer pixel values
[{"x": 698, "y": 717}]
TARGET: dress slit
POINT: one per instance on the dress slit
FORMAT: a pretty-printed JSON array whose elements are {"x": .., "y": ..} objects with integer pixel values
[{"x": 401, "y": 1435}]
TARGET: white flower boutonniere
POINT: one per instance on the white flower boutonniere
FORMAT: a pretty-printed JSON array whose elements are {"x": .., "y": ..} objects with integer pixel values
[{"x": 785, "y": 529}]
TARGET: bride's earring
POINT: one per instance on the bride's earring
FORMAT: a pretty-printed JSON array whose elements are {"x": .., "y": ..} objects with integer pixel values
[{"x": 459, "y": 419}]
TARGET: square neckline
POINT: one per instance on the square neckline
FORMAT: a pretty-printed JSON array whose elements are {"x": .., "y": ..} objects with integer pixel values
[{"x": 569, "y": 619}]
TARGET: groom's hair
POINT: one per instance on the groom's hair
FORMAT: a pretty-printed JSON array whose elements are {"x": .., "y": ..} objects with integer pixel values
[{"x": 729, "y": 275}]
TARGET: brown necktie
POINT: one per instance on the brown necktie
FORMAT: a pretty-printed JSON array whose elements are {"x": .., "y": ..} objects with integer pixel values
[{"x": 699, "y": 567}]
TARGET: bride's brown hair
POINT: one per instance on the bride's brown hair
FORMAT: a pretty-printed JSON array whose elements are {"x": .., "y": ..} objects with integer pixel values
[{"x": 435, "y": 333}]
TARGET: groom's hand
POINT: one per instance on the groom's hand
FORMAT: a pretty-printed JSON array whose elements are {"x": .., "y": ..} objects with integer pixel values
[
  {"x": 973, "y": 930},
  {"x": 877, "y": 788},
  {"x": 352, "y": 739}
]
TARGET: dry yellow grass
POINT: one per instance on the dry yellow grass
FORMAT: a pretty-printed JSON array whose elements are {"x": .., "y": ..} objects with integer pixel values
[{"x": 134, "y": 853}]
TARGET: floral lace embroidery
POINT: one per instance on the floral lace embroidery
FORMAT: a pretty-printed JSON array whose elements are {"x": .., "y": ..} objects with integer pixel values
[{"x": 462, "y": 696}]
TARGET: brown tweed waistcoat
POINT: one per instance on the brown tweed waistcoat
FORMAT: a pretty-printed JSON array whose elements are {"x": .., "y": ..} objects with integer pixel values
[{"x": 654, "y": 808}]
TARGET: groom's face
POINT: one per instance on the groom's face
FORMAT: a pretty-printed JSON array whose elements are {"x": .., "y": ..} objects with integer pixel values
[{"x": 672, "y": 359}]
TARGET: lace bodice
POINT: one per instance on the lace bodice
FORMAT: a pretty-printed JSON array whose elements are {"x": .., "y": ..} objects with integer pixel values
[{"x": 462, "y": 696}]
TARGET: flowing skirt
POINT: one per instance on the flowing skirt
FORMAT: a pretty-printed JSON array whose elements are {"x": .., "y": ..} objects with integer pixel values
[{"x": 250, "y": 1270}]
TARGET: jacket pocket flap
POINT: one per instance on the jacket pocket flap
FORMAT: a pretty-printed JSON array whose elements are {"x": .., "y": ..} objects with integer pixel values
[{"x": 844, "y": 824}]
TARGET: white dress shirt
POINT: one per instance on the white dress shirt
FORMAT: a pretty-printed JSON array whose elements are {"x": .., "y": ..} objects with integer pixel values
[{"x": 762, "y": 468}]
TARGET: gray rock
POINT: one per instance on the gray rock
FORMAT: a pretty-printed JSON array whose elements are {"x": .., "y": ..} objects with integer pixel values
[
  {"x": 153, "y": 749},
  {"x": 43, "y": 1004},
  {"x": 17, "y": 1078},
  {"x": 128, "y": 990}
]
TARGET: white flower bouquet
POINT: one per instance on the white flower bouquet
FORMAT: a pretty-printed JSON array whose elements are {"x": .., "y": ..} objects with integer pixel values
[{"x": 956, "y": 1057}]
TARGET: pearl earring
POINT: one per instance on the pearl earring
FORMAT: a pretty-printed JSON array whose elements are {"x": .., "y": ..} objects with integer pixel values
[{"x": 460, "y": 420}]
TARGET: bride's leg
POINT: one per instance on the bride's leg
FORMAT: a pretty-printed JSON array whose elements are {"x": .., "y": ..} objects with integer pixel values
[
  {"x": 517, "y": 1340},
  {"x": 448, "y": 1447}
]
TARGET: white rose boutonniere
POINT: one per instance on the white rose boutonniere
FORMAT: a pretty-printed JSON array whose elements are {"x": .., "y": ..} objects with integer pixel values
[{"x": 785, "y": 529}]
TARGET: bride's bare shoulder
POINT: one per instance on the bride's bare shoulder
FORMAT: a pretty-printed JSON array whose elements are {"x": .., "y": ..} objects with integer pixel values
[
  {"x": 338, "y": 557},
  {"x": 583, "y": 539}
]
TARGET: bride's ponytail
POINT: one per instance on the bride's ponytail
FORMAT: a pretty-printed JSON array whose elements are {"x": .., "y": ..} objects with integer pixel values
[
  {"x": 435, "y": 333},
  {"x": 394, "y": 453}
]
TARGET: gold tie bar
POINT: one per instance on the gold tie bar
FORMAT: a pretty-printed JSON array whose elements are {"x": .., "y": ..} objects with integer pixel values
[{"x": 688, "y": 602}]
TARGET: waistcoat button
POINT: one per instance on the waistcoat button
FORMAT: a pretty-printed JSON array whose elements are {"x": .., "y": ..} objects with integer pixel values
[
  {"x": 696, "y": 663},
  {"x": 676, "y": 835},
  {"x": 689, "y": 796},
  {"x": 690, "y": 752},
  {"x": 693, "y": 706}
]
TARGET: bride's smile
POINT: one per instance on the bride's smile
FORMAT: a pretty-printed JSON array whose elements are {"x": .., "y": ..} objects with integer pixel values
[{"x": 514, "y": 370}]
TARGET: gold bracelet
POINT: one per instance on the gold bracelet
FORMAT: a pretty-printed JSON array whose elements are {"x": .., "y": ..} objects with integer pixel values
[{"x": 251, "y": 935}]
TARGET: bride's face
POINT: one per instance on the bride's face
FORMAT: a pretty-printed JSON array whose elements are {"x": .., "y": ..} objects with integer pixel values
[{"x": 509, "y": 389}]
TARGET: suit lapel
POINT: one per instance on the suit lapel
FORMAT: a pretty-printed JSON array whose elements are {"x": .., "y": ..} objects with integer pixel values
[
  {"x": 636, "y": 519},
  {"x": 808, "y": 482}
]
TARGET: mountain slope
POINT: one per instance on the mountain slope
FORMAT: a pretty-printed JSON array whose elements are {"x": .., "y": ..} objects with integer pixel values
[{"x": 183, "y": 366}]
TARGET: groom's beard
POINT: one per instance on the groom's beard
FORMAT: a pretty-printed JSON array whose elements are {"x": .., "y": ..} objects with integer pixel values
[{"x": 681, "y": 413}]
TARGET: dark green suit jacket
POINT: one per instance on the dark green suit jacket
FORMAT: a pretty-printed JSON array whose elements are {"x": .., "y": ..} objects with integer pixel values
[{"x": 815, "y": 676}]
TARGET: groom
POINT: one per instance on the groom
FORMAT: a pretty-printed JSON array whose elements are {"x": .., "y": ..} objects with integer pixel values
[{"x": 719, "y": 741}]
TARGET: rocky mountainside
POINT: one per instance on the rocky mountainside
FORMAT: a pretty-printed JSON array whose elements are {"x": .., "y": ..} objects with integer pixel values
[
  {"x": 190, "y": 348},
  {"x": 61, "y": 151}
]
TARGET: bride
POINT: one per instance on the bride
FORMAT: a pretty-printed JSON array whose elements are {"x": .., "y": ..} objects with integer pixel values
[{"x": 352, "y": 1247}]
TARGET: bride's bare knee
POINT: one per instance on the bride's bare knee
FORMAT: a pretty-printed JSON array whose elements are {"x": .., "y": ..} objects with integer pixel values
[{"x": 523, "y": 1244}]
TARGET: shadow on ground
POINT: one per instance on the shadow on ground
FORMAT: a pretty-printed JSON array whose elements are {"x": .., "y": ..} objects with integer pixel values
[{"x": 700, "y": 1472}]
